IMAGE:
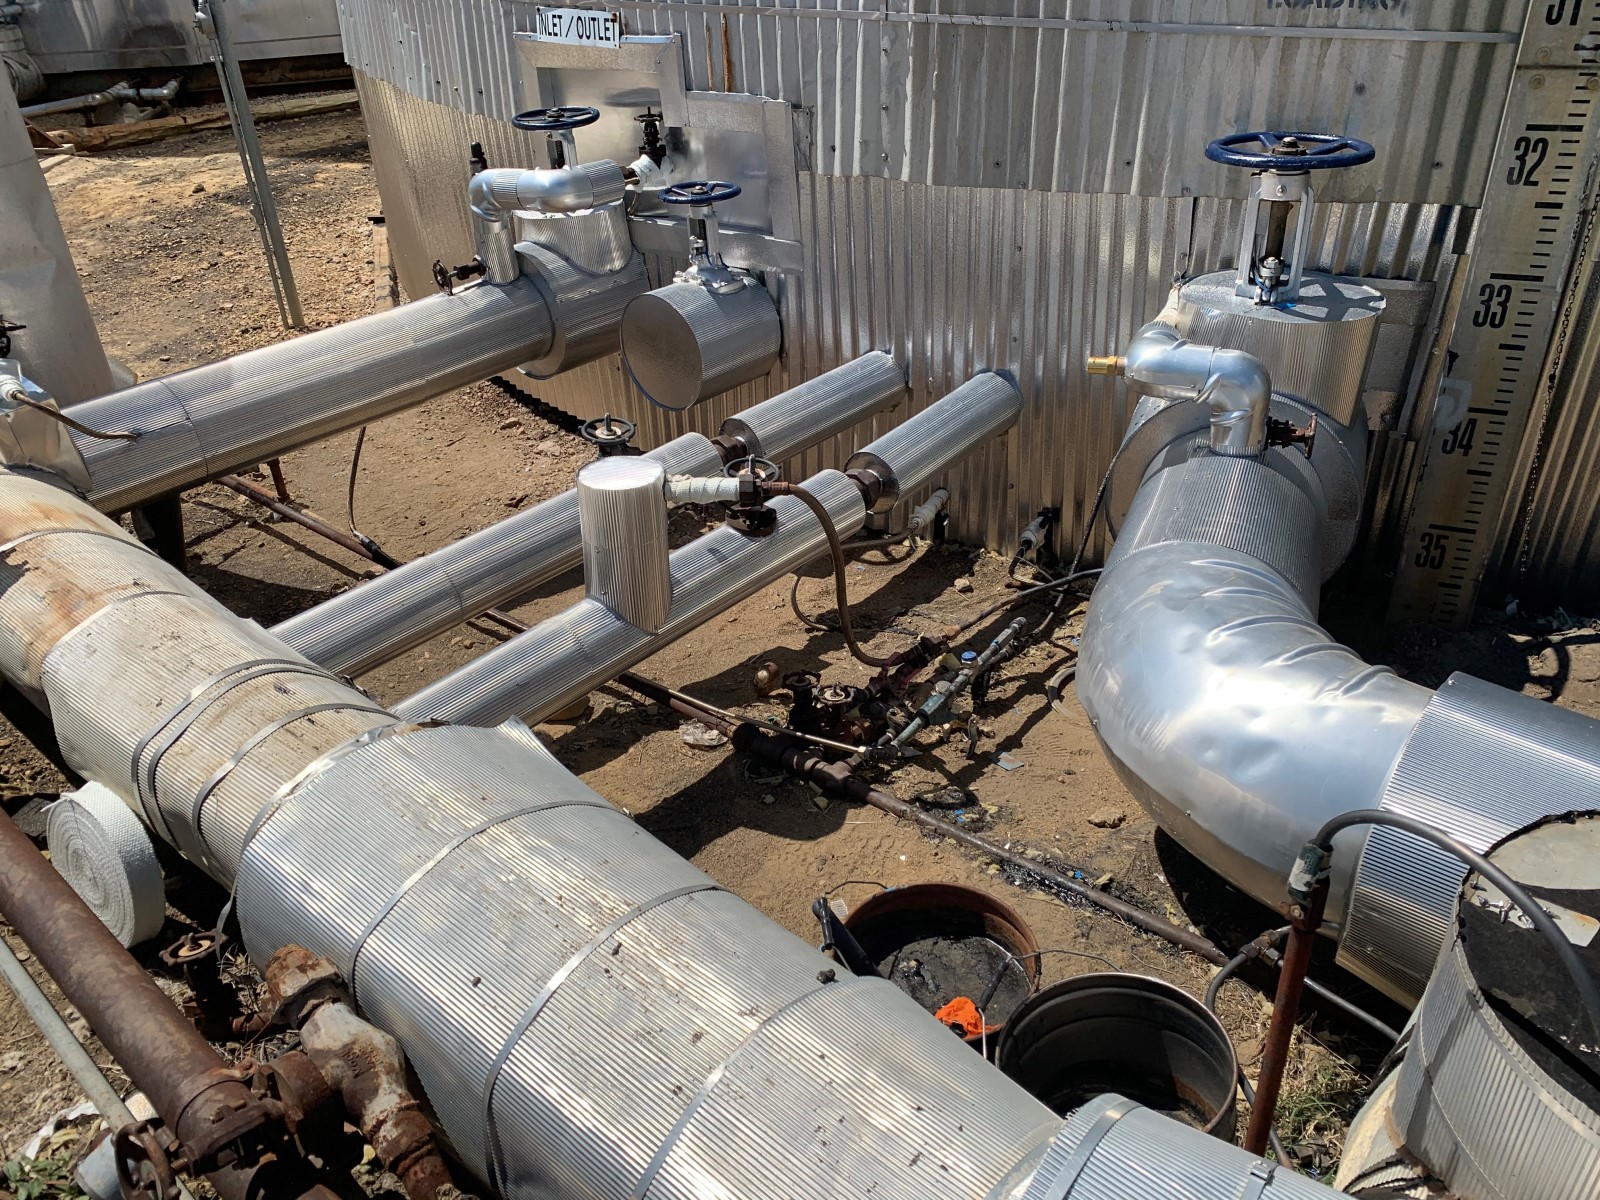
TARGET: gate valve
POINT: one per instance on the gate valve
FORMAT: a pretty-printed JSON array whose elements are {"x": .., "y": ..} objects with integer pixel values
[
  {"x": 557, "y": 125},
  {"x": 1286, "y": 433},
  {"x": 751, "y": 514},
  {"x": 1281, "y": 164},
  {"x": 705, "y": 250},
  {"x": 608, "y": 435},
  {"x": 445, "y": 278},
  {"x": 652, "y": 147}
]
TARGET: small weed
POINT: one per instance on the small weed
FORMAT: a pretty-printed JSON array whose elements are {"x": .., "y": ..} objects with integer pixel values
[{"x": 42, "y": 1178}]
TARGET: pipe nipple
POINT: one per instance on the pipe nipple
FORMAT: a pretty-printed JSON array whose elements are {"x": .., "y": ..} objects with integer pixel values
[{"x": 1105, "y": 364}]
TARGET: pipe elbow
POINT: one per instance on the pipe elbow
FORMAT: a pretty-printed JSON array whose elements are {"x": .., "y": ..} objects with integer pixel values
[{"x": 1238, "y": 391}]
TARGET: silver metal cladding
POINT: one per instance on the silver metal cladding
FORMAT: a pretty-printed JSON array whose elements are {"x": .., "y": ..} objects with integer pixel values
[
  {"x": 818, "y": 409},
  {"x": 564, "y": 658},
  {"x": 1268, "y": 509},
  {"x": 1474, "y": 1107},
  {"x": 598, "y": 1058},
  {"x": 1481, "y": 762},
  {"x": 1113, "y": 1149},
  {"x": 586, "y": 1011},
  {"x": 217, "y": 418},
  {"x": 685, "y": 342},
  {"x": 381, "y": 618},
  {"x": 911, "y": 455},
  {"x": 622, "y": 516},
  {"x": 1235, "y": 720},
  {"x": 587, "y": 307},
  {"x": 1316, "y": 349},
  {"x": 54, "y": 334},
  {"x": 567, "y": 656}
]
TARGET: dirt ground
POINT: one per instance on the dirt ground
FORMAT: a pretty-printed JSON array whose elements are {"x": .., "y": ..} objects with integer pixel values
[{"x": 174, "y": 274}]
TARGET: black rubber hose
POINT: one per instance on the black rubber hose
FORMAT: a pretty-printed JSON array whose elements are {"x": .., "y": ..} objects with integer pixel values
[
  {"x": 1513, "y": 891},
  {"x": 836, "y": 549}
]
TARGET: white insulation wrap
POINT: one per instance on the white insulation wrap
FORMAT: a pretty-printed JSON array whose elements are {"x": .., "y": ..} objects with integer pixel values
[{"x": 103, "y": 851}]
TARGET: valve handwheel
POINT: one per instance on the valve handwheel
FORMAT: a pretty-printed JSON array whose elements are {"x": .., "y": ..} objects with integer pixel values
[
  {"x": 701, "y": 192},
  {"x": 1273, "y": 150},
  {"x": 550, "y": 120}
]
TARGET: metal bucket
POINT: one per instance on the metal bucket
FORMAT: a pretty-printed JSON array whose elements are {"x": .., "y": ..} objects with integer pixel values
[
  {"x": 1139, "y": 1037},
  {"x": 937, "y": 941}
]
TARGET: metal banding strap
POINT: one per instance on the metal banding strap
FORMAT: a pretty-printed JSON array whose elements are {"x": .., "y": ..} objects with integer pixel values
[
  {"x": 1261, "y": 1173},
  {"x": 495, "y": 1168},
  {"x": 287, "y": 791},
  {"x": 119, "y": 538},
  {"x": 438, "y": 857},
  {"x": 1055, "y": 1181},
  {"x": 255, "y": 739},
  {"x": 657, "y": 1160},
  {"x": 184, "y": 714}
]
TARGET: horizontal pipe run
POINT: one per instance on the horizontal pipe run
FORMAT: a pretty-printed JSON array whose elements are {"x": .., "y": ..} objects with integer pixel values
[
  {"x": 236, "y": 413},
  {"x": 568, "y": 656},
  {"x": 382, "y": 618},
  {"x": 582, "y": 1008}
]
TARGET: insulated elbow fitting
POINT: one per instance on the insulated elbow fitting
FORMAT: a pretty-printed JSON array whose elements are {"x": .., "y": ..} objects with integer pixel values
[
  {"x": 496, "y": 194},
  {"x": 1232, "y": 383}
]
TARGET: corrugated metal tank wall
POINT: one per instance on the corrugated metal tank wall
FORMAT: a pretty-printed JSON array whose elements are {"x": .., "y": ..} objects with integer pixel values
[{"x": 989, "y": 185}]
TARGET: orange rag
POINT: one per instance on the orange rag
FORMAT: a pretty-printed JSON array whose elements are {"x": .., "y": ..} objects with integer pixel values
[{"x": 961, "y": 1014}]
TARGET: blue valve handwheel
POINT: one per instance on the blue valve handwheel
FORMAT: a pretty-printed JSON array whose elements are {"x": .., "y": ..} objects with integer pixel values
[
  {"x": 550, "y": 120},
  {"x": 1261, "y": 150},
  {"x": 701, "y": 191}
]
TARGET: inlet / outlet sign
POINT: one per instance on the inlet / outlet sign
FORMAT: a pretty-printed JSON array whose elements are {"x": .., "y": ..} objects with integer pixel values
[{"x": 578, "y": 27}]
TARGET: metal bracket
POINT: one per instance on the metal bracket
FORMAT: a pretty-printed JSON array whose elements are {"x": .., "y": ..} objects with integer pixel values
[{"x": 31, "y": 437}]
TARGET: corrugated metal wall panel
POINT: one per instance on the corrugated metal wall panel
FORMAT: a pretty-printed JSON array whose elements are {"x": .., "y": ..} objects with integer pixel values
[
  {"x": 951, "y": 280},
  {"x": 1117, "y": 96},
  {"x": 1552, "y": 552},
  {"x": 908, "y": 246}
]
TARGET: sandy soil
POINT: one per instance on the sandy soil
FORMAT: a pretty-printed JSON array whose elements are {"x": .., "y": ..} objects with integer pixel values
[{"x": 170, "y": 258}]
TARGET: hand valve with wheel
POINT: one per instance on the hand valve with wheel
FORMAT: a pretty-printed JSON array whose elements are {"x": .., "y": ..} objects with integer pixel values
[
  {"x": 1282, "y": 164},
  {"x": 713, "y": 328},
  {"x": 557, "y": 125},
  {"x": 705, "y": 250}
]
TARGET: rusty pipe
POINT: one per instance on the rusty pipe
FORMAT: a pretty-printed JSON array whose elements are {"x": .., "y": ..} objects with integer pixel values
[
  {"x": 362, "y": 549},
  {"x": 361, "y": 1062},
  {"x": 1305, "y": 918},
  {"x": 201, "y": 1099}
]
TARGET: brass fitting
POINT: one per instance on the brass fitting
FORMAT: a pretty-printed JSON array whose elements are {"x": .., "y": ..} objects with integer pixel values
[{"x": 1105, "y": 364}]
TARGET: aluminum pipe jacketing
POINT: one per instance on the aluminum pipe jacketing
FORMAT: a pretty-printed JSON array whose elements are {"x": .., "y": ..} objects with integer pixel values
[
  {"x": 381, "y": 618},
  {"x": 238, "y": 412},
  {"x": 622, "y": 516},
  {"x": 908, "y": 457},
  {"x": 545, "y": 669},
  {"x": 684, "y": 342},
  {"x": 819, "y": 408}
]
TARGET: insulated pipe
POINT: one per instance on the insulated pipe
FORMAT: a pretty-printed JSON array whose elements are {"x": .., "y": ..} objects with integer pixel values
[
  {"x": 542, "y": 671},
  {"x": 622, "y": 516},
  {"x": 1232, "y": 383},
  {"x": 243, "y": 410},
  {"x": 1242, "y": 726},
  {"x": 498, "y": 194},
  {"x": 377, "y": 620},
  {"x": 587, "y": 1014}
]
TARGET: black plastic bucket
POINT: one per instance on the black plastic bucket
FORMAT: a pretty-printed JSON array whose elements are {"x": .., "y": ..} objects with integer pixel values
[{"x": 1142, "y": 1038}]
